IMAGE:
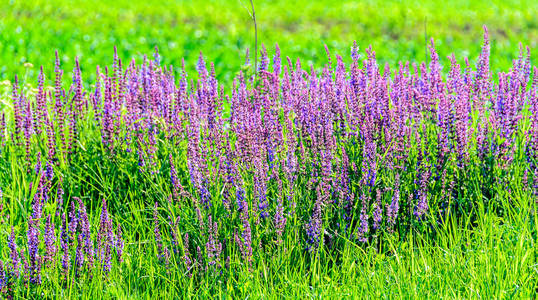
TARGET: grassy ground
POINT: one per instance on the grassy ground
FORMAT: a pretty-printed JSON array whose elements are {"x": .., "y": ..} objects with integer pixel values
[{"x": 32, "y": 30}]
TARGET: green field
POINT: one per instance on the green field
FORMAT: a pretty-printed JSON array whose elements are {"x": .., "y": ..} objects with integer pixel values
[{"x": 30, "y": 31}]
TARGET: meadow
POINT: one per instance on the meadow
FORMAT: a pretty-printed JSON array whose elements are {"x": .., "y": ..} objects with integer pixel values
[
  {"x": 155, "y": 155},
  {"x": 222, "y": 30}
]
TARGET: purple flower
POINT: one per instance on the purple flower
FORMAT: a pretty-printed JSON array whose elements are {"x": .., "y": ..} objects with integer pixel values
[
  {"x": 187, "y": 255},
  {"x": 33, "y": 252},
  {"x": 277, "y": 61},
  {"x": 50, "y": 241},
  {"x": 213, "y": 246},
  {"x": 280, "y": 221},
  {"x": 79, "y": 255},
  {"x": 3, "y": 277},
  {"x": 14, "y": 254},
  {"x": 377, "y": 215},
  {"x": 65, "y": 247},
  {"x": 264, "y": 60},
  {"x": 355, "y": 52},
  {"x": 314, "y": 227},
  {"x": 119, "y": 243},
  {"x": 363, "y": 221},
  {"x": 85, "y": 233},
  {"x": 73, "y": 223},
  {"x": 392, "y": 209}
]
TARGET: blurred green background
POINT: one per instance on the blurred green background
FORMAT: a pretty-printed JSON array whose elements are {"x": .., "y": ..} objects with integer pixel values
[{"x": 30, "y": 31}]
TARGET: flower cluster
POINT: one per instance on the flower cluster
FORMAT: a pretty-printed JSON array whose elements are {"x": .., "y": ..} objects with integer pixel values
[{"x": 285, "y": 154}]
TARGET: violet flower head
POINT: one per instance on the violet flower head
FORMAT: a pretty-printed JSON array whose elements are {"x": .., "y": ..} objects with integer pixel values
[
  {"x": 73, "y": 223},
  {"x": 33, "y": 252},
  {"x": 3, "y": 277},
  {"x": 355, "y": 52},
  {"x": 280, "y": 221},
  {"x": 49, "y": 171},
  {"x": 79, "y": 255},
  {"x": 213, "y": 246},
  {"x": 392, "y": 209},
  {"x": 156, "y": 57},
  {"x": 277, "y": 61},
  {"x": 13, "y": 253},
  {"x": 84, "y": 224},
  {"x": 120, "y": 244},
  {"x": 264, "y": 60},
  {"x": 201, "y": 67},
  {"x": 313, "y": 229},
  {"x": 65, "y": 247},
  {"x": 377, "y": 214},
  {"x": 50, "y": 241},
  {"x": 240, "y": 198},
  {"x": 187, "y": 256},
  {"x": 363, "y": 221}
]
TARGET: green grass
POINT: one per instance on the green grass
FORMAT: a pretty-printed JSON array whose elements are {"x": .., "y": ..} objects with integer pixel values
[
  {"x": 32, "y": 30},
  {"x": 496, "y": 259}
]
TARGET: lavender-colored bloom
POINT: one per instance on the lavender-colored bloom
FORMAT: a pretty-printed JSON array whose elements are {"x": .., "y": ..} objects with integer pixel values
[
  {"x": 201, "y": 67},
  {"x": 14, "y": 254},
  {"x": 355, "y": 52},
  {"x": 37, "y": 204},
  {"x": 50, "y": 241},
  {"x": 3, "y": 277},
  {"x": 49, "y": 171},
  {"x": 105, "y": 239},
  {"x": 264, "y": 60},
  {"x": 59, "y": 196},
  {"x": 33, "y": 252},
  {"x": 280, "y": 221},
  {"x": 85, "y": 233},
  {"x": 377, "y": 214},
  {"x": 240, "y": 198},
  {"x": 37, "y": 168},
  {"x": 174, "y": 233},
  {"x": 205, "y": 195},
  {"x": 73, "y": 223},
  {"x": 25, "y": 267},
  {"x": 3, "y": 138},
  {"x": 156, "y": 57},
  {"x": 213, "y": 246},
  {"x": 79, "y": 255},
  {"x": 277, "y": 61},
  {"x": 187, "y": 255},
  {"x": 422, "y": 205},
  {"x": 313, "y": 229},
  {"x": 103, "y": 233},
  {"x": 107, "y": 260},
  {"x": 119, "y": 243},
  {"x": 363, "y": 221},
  {"x": 392, "y": 209},
  {"x": 262, "y": 199},
  {"x": 177, "y": 188},
  {"x": 65, "y": 247}
]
